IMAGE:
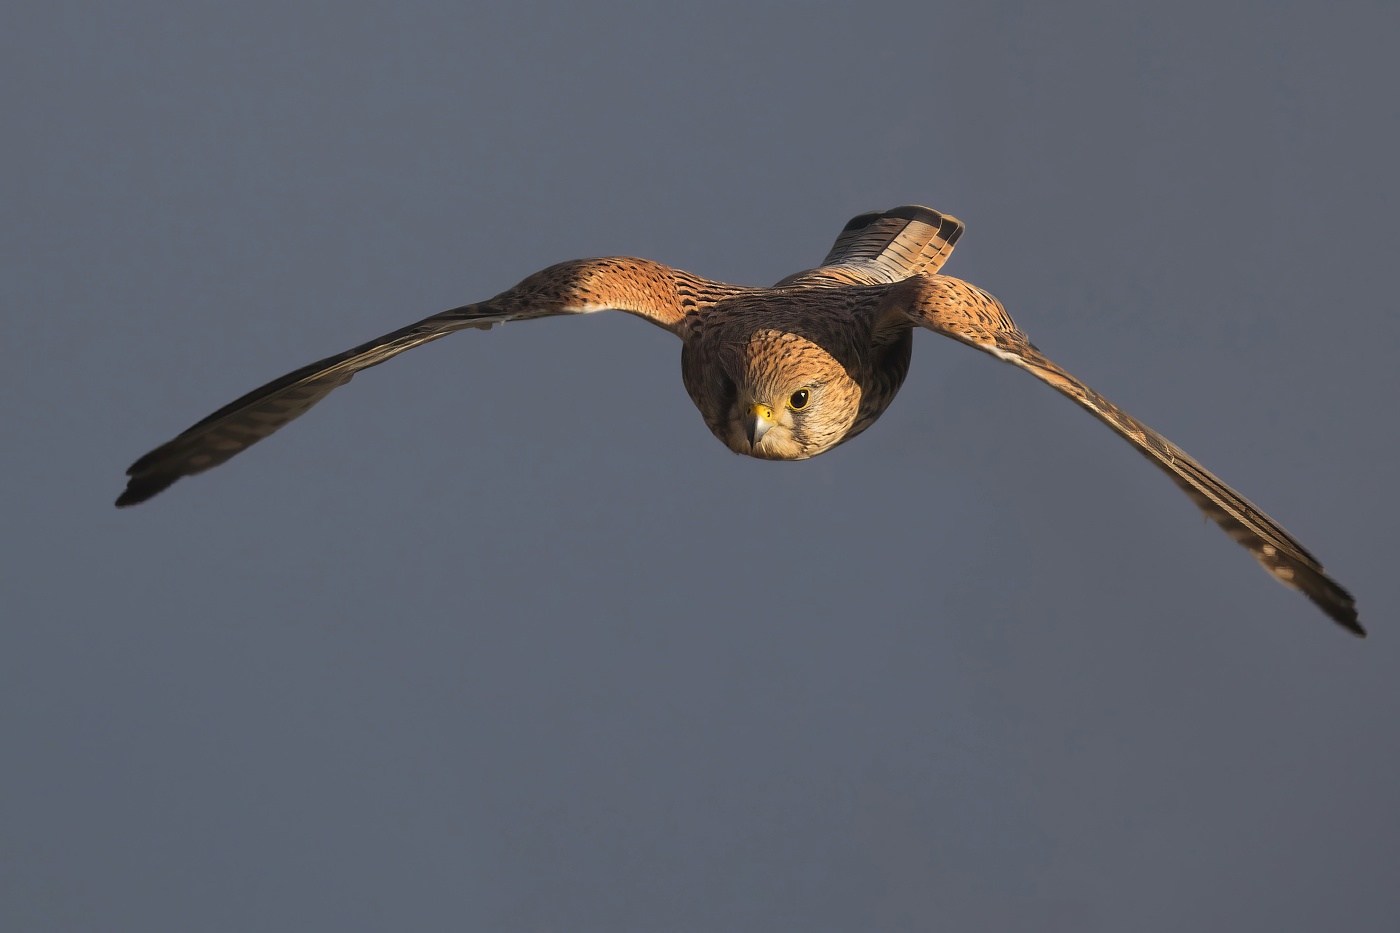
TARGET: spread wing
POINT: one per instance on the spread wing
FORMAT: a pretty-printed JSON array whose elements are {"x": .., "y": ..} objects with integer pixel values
[
  {"x": 650, "y": 290},
  {"x": 968, "y": 314},
  {"x": 884, "y": 247}
]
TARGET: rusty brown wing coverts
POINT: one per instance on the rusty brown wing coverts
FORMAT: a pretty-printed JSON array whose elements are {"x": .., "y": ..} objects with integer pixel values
[{"x": 780, "y": 373}]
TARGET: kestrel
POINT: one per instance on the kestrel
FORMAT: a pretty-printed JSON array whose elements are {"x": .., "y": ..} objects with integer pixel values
[{"x": 781, "y": 373}]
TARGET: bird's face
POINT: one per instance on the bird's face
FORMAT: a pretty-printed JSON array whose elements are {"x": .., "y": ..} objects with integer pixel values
[{"x": 790, "y": 400}]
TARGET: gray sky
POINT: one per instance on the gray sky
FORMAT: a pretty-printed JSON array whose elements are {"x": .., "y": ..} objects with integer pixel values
[{"x": 501, "y": 638}]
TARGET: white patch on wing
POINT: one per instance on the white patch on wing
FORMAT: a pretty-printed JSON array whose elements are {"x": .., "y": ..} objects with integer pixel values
[{"x": 1001, "y": 354}]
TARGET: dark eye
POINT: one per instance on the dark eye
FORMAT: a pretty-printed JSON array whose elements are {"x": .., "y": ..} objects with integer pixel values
[{"x": 799, "y": 399}]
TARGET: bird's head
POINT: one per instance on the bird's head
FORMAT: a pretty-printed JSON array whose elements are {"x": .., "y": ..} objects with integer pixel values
[{"x": 790, "y": 398}]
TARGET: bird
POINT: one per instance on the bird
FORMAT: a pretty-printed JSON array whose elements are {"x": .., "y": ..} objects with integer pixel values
[{"x": 780, "y": 373}]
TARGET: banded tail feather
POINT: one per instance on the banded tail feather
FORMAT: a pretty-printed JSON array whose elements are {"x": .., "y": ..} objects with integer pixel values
[{"x": 884, "y": 247}]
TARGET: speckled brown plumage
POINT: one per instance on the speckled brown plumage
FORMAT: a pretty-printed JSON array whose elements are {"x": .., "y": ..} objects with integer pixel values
[{"x": 781, "y": 373}]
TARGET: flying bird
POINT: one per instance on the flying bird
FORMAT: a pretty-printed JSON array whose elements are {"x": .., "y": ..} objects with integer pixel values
[{"x": 781, "y": 373}]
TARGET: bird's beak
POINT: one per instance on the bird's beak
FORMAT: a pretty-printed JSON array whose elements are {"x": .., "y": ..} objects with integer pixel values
[{"x": 758, "y": 422}]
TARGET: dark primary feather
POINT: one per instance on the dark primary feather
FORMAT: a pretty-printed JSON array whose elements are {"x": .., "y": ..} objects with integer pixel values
[{"x": 252, "y": 417}]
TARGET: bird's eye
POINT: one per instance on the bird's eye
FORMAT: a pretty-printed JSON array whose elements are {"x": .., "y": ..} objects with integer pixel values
[{"x": 799, "y": 399}]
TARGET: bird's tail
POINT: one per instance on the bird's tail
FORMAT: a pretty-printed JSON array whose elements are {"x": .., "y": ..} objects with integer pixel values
[{"x": 883, "y": 247}]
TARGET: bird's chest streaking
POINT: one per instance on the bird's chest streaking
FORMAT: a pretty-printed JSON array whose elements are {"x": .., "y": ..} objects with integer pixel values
[{"x": 786, "y": 376}]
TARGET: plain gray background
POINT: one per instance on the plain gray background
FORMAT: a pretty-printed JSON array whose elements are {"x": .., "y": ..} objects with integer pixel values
[{"x": 500, "y": 638}]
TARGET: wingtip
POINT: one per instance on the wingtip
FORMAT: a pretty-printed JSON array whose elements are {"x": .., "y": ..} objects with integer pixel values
[
  {"x": 140, "y": 488},
  {"x": 1351, "y": 625},
  {"x": 1339, "y": 606}
]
